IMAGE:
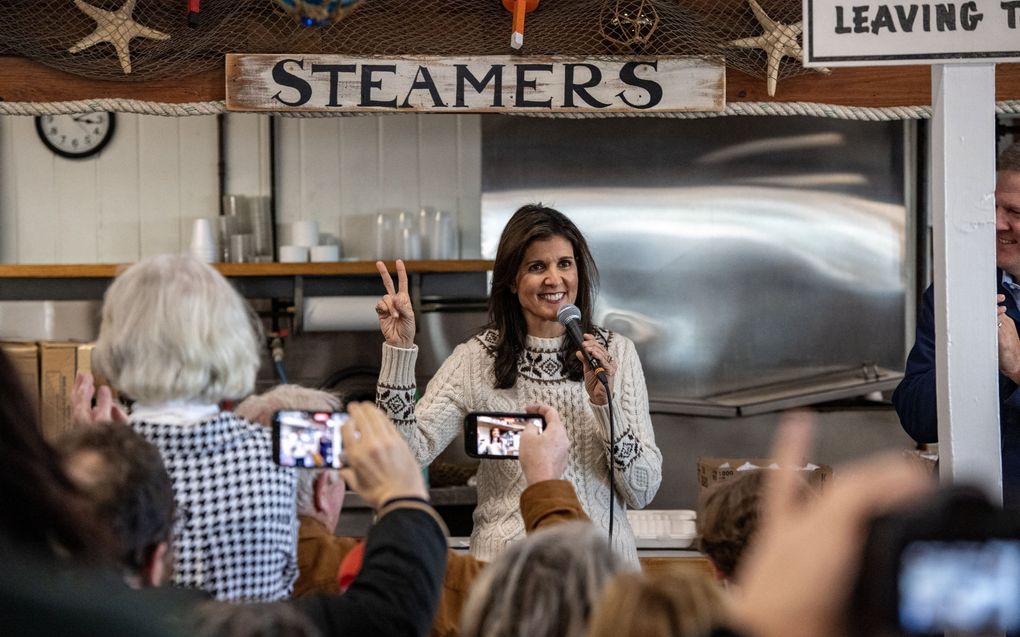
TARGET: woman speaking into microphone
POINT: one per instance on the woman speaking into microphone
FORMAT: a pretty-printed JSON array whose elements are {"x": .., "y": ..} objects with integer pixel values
[{"x": 523, "y": 357}]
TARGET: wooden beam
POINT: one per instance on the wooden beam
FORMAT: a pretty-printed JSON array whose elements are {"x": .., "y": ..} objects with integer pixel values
[
  {"x": 23, "y": 80},
  {"x": 874, "y": 86}
]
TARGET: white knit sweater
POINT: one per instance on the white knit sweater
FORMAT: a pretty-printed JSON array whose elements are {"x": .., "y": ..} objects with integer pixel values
[{"x": 465, "y": 383}]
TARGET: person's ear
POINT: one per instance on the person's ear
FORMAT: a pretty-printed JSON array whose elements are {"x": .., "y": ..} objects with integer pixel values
[
  {"x": 157, "y": 570},
  {"x": 320, "y": 491}
]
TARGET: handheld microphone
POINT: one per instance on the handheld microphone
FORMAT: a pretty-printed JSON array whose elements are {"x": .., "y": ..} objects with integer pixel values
[{"x": 570, "y": 317}]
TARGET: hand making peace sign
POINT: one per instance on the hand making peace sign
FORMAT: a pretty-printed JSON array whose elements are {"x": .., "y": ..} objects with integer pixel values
[{"x": 396, "y": 316}]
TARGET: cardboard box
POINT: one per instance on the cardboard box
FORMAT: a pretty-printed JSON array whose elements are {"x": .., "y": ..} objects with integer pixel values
[
  {"x": 712, "y": 471},
  {"x": 25, "y": 357},
  {"x": 58, "y": 362},
  {"x": 47, "y": 370}
]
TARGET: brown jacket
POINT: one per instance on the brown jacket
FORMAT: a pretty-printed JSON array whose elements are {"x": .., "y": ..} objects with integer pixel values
[{"x": 320, "y": 552}]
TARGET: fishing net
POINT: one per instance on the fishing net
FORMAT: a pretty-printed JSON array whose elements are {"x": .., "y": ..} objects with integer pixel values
[{"x": 138, "y": 40}]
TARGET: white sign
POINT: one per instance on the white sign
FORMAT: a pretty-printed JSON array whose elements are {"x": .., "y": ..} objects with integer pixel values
[
  {"x": 884, "y": 32},
  {"x": 337, "y": 83}
]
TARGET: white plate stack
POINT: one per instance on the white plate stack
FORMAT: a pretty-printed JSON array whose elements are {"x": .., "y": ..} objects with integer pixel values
[{"x": 663, "y": 528}]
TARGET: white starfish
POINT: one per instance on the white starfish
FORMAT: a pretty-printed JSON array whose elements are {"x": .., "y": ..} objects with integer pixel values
[
  {"x": 778, "y": 41},
  {"x": 117, "y": 28}
]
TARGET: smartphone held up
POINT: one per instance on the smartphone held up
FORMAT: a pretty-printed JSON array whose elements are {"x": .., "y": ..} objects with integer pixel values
[
  {"x": 308, "y": 439},
  {"x": 496, "y": 434}
]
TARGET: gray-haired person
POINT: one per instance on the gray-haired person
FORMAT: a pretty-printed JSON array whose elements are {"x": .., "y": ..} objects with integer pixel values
[{"x": 178, "y": 339}]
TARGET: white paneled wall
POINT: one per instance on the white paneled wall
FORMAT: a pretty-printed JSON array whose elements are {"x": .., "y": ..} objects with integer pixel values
[
  {"x": 342, "y": 171},
  {"x": 140, "y": 195},
  {"x": 136, "y": 198}
]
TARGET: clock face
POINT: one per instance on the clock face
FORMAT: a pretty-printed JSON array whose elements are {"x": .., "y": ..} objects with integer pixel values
[{"x": 75, "y": 136}]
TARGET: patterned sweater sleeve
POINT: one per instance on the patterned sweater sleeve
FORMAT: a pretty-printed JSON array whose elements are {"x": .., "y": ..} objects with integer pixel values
[
  {"x": 430, "y": 425},
  {"x": 636, "y": 459}
]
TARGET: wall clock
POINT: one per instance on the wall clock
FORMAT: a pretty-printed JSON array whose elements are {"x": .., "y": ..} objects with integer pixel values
[{"x": 76, "y": 136}]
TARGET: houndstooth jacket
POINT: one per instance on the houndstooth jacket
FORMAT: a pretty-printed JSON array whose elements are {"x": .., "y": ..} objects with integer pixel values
[{"x": 237, "y": 525}]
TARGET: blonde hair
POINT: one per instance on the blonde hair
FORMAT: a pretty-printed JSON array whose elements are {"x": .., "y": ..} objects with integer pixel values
[
  {"x": 542, "y": 586},
  {"x": 260, "y": 409},
  {"x": 174, "y": 329},
  {"x": 684, "y": 604}
]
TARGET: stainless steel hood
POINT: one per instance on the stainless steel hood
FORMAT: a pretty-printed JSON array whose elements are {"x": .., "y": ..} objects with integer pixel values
[{"x": 757, "y": 263}]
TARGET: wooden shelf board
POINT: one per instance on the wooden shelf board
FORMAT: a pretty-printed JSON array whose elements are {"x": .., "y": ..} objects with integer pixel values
[{"x": 109, "y": 270}]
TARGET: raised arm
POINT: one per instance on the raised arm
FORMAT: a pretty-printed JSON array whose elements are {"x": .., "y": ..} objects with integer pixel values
[
  {"x": 636, "y": 459},
  {"x": 397, "y": 388},
  {"x": 397, "y": 590},
  {"x": 430, "y": 425}
]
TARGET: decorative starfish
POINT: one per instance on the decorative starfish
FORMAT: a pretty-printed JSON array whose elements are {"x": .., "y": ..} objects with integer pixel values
[
  {"x": 117, "y": 28},
  {"x": 778, "y": 41}
]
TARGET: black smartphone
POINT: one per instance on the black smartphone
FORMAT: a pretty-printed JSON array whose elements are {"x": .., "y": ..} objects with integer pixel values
[
  {"x": 308, "y": 439},
  {"x": 969, "y": 587},
  {"x": 950, "y": 563},
  {"x": 497, "y": 434}
]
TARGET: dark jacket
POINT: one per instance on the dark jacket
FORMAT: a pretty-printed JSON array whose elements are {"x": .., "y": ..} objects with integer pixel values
[{"x": 914, "y": 398}]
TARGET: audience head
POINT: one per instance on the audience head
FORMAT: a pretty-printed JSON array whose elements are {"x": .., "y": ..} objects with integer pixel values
[
  {"x": 1007, "y": 202},
  {"x": 320, "y": 492},
  {"x": 173, "y": 329},
  {"x": 543, "y": 586},
  {"x": 685, "y": 604},
  {"x": 729, "y": 519},
  {"x": 130, "y": 492},
  {"x": 39, "y": 506},
  {"x": 530, "y": 223},
  {"x": 731, "y": 515}
]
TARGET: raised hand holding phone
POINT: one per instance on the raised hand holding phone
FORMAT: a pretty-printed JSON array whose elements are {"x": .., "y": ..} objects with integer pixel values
[
  {"x": 396, "y": 314},
  {"x": 544, "y": 454}
]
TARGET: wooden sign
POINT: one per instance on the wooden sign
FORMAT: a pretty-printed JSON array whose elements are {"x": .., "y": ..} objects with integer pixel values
[
  {"x": 852, "y": 33},
  {"x": 336, "y": 83}
]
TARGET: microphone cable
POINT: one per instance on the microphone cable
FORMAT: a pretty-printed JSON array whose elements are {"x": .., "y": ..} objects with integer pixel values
[{"x": 603, "y": 377}]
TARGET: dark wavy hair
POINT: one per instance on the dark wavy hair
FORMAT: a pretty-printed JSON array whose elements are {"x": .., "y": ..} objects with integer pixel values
[
  {"x": 131, "y": 491},
  {"x": 534, "y": 222},
  {"x": 39, "y": 506}
]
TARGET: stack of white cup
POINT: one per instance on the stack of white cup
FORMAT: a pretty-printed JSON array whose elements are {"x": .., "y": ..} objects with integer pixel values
[
  {"x": 304, "y": 235},
  {"x": 203, "y": 241},
  {"x": 305, "y": 245}
]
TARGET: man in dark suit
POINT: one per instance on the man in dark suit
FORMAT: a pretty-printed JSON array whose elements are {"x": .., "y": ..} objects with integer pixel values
[{"x": 914, "y": 398}]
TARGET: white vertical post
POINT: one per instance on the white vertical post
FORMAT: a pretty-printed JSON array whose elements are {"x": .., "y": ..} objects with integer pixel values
[{"x": 963, "y": 212}]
